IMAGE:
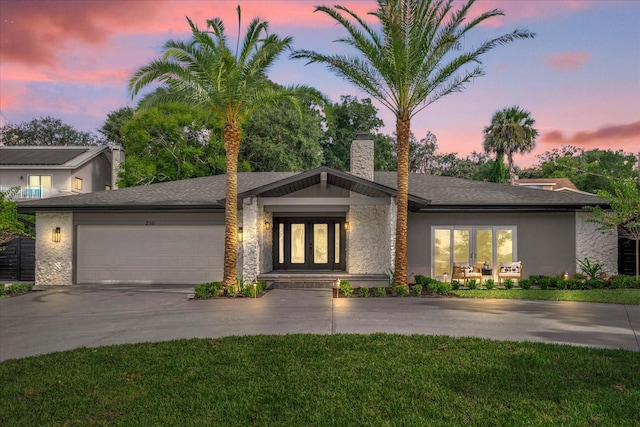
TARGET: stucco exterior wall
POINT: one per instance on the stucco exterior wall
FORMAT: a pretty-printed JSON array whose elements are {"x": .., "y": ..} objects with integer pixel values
[
  {"x": 546, "y": 242},
  {"x": 597, "y": 247},
  {"x": 54, "y": 260},
  {"x": 368, "y": 243}
]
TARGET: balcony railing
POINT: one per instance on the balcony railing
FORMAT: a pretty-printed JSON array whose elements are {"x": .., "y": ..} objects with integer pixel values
[{"x": 29, "y": 192}]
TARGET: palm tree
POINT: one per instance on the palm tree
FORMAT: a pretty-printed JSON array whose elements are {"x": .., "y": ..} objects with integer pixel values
[
  {"x": 417, "y": 58},
  {"x": 205, "y": 72},
  {"x": 511, "y": 131}
]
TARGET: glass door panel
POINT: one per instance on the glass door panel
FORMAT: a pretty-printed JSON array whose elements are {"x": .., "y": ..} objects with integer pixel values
[
  {"x": 461, "y": 247},
  {"x": 504, "y": 245},
  {"x": 442, "y": 251},
  {"x": 320, "y": 243},
  {"x": 298, "y": 244},
  {"x": 336, "y": 238},
  {"x": 484, "y": 247}
]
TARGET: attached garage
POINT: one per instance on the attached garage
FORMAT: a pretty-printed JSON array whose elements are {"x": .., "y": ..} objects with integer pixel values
[{"x": 158, "y": 254}]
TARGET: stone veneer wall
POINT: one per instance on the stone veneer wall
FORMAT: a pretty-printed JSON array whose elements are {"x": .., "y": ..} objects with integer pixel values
[
  {"x": 266, "y": 247},
  {"x": 54, "y": 260},
  {"x": 252, "y": 235},
  {"x": 368, "y": 243},
  {"x": 596, "y": 246},
  {"x": 362, "y": 158}
]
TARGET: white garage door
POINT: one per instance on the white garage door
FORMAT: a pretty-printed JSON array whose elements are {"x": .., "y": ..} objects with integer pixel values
[{"x": 151, "y": 254}]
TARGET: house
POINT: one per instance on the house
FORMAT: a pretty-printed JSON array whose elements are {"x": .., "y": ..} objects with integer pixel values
[
  {"x": 552, "y": 184},
  {"x": 42, "y": 172},
  {"x": 321, "y": 223}
]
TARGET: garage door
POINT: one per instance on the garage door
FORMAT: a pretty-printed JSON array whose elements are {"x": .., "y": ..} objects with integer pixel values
[{"x": 152, "y": 254}]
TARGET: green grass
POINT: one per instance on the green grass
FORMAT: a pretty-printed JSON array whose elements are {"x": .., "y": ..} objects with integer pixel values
[
  {"x": 324, "y": 380},
  {"x": 611, "y": 296}
]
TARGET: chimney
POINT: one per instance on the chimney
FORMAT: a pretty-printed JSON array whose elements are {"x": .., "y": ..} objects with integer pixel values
[
  {"x": 362, "y": 156},
  {"x": 117, "y": 157}
]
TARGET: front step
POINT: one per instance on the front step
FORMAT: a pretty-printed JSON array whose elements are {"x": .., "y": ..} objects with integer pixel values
[{"x": 302, "y": 285}]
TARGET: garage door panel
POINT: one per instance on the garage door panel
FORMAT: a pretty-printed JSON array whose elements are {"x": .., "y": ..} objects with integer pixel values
[{"x": 154, "y": 254}]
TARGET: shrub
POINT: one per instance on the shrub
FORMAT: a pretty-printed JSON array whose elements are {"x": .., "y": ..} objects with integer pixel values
[
  {"x": 251, "y": 290},
  {"x": 455, "y": 284},
  {"x": 345, "y": 288},
  {"x": 3, "y": 290},
  {"x": 592, "y": 271},
  {"x": 261, "y": 286},
  {"x": 524, "y": 284},
  {"x": 363, "y": 291},
  {"x": 472, "y": 284},
  {"x": 489, "y": 283},
  {"x": 596, "y": 283},
  {"x": 380, "y": 291},
  {"x": 562, "y": 284},
  {"x": 16, "y": 288},
  {"x": 624, "y": 282},
  {"x": 509, "y": 283},
  {"x": 423, "y": 280},
  {"x": 207, "y": 290},
  {"x": 417, "y": 289},
  {"x": 574, "y": 283},
  {"x": 441, "y": 288},
  {"x": 231, "y": 291},
  {"x": 401, "y": 290}
]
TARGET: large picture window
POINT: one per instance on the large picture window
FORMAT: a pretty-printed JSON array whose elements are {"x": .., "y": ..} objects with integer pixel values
[{"x": 476, "y": 245}]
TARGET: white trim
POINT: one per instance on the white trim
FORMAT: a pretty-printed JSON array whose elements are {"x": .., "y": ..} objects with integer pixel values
[{"x": 322, "y": 201}]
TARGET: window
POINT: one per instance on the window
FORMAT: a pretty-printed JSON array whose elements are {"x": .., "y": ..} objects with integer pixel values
[
  {"x": 39, "y": 186},
  {"x": 77, "y": 183},
  {"x": 473, "y": 244}
]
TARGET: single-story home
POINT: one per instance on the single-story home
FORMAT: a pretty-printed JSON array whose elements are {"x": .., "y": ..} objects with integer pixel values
[{"x": 320, "y": 223}]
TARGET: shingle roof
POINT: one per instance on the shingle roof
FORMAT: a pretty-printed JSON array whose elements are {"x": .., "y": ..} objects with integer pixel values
[
  {"x": 24, "y": 157},
  {"x": 442, "y": 192}
]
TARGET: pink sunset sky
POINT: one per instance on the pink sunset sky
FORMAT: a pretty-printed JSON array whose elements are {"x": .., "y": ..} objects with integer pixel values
[{"x": 579, "y": 78}]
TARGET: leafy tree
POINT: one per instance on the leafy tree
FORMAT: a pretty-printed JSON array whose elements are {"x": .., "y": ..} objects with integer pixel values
[
  {"x": 10, "y": 221},
  {"x": 384, "y": 153},
  {"x": 46, "y": 131},
  {"x": 591, "y": 170},
  {"x": 167, "y": 143},
  {"x": 349, "y": 117},
  {"x": 411, "y": 63},
  {"x": 421, "y": 153},
  {"x": 112, "y": 127},
  {"x": 624, "y": 215},
  {"x": 205, "y": 72},
  {"x": 283, "y": 139},
  {"x": 498, "y": 172},
  {"x": 511, "y": 131}
]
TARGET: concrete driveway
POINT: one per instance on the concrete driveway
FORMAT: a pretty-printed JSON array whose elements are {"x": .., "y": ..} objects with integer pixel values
[{"x": 90, "y": 316}]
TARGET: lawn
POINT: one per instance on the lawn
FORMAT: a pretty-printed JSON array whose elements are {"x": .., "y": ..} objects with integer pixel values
[
  {"x": 610, "y": 296},
  {"x": 324, "y": 380}
]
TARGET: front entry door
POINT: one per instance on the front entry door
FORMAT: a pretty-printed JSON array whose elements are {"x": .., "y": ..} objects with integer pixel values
[{"x": 304, "y": 244}]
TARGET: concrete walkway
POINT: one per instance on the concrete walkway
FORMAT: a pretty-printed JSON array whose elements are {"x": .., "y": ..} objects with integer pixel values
[{"x": 90, "y": 316}]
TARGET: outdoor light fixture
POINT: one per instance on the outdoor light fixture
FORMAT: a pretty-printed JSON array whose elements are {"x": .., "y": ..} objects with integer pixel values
[
  {"x": 346, "y": 225},
  {"x": 239, "y": 234},
  {"x": 267, "y": 224},
  {"x": 445, "y": 275},
  {"x": 55, "y": 235},
  {"x": 565, "y": 276}
]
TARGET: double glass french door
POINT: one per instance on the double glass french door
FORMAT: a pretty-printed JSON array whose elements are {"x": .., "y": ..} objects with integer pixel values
[
  {"x": 476, "y": 245},
  {"x": 309, "y": 244}
]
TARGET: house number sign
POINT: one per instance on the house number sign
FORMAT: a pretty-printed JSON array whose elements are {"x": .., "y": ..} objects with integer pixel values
[{"x": 149, "y": 222}]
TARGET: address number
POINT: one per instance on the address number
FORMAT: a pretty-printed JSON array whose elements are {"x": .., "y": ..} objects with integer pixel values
[{"x": 149, "y": 223}]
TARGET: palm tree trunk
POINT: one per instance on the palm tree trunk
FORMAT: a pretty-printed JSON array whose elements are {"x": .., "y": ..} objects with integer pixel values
[
  {"x": 512, "y": 175},
  {"x": 231, "y": 136},
  {"x": 403, "y": 132}
]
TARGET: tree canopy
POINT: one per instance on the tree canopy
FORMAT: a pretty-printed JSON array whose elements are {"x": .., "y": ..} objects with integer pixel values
[{"x": 45, "y": 131}]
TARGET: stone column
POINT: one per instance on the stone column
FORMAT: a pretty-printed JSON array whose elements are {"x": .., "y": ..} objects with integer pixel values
[
  {"x": 362, "y": 160},
  {"x": 54, "y": 260},
  {"x": 251, "y": 240},
  {"x": 597, "y": 247}
]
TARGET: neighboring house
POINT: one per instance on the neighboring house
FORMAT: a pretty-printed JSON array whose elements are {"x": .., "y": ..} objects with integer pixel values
[
  {"x": 552, "y": 184},
  {"x": 321, "y": 223},
  {"x": 42, "y": 172}
]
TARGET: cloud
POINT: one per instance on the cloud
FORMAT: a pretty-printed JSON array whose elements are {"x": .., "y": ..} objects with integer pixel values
[
  {"x": 603, "y": 136},
  {"x": 567, "y": 61},
  {"x": 34, "y": 32}
]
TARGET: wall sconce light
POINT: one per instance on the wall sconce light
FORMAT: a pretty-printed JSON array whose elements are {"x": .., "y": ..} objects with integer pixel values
[
  {"x": 239, "y": 234},
  {"x": 346, "y": 225},
  {"x": 267, "y": 224},
  {"x": 445, "y": 277},
  {"x": 55, "y": 235},
  {"x": 565, "y": 275}
]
